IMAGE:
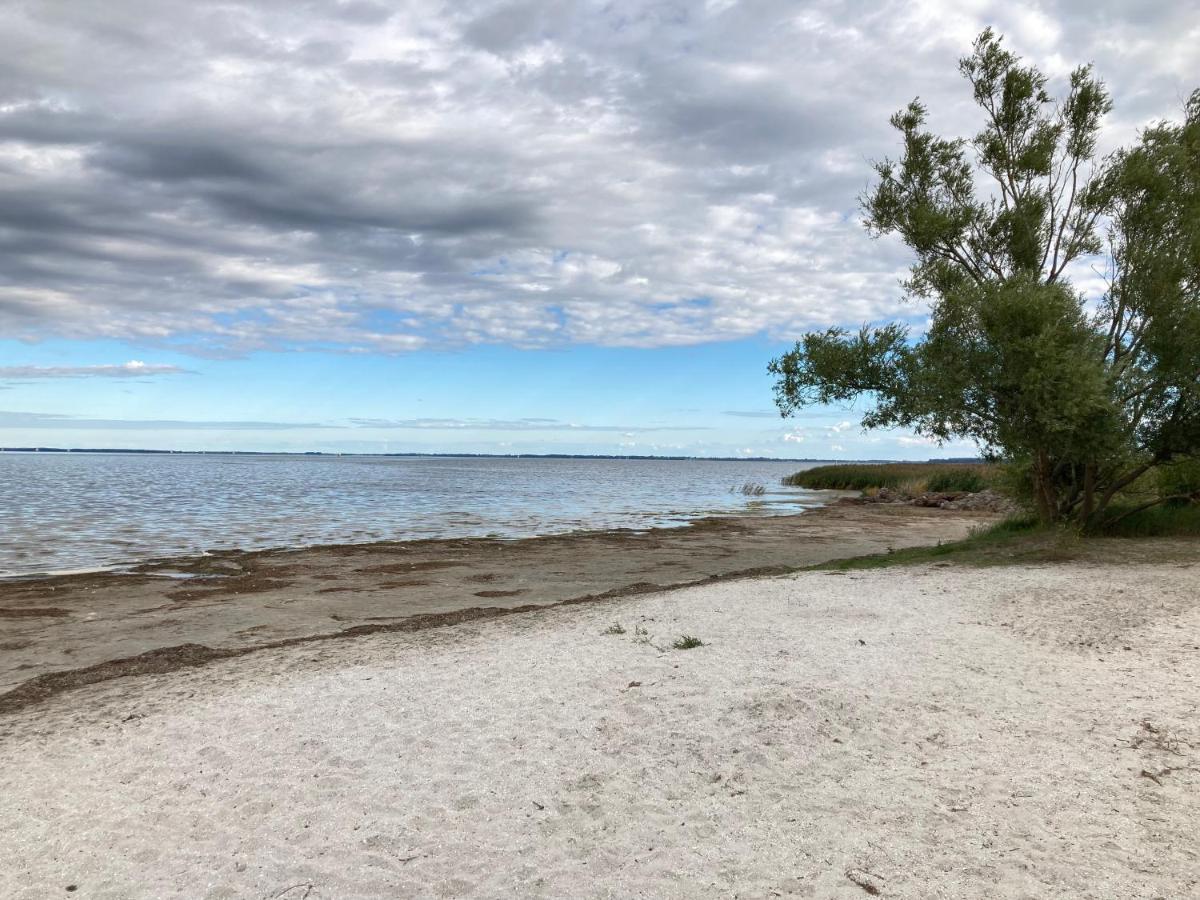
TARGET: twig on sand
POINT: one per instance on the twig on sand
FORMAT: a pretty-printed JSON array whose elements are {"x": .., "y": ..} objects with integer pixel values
[
  {"x": 307, "y": 885},
  {"x": 864, "y": 880}
]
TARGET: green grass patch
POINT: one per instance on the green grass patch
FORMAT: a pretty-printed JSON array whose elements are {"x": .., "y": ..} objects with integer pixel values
[
  {"x": 1157, "y": 521},
  {"x": 1012, "y": 540},
  {"x": 687, "y": 642},
  {"x": 1020, "y": 540},
  {"x": 911, "y": 477}
]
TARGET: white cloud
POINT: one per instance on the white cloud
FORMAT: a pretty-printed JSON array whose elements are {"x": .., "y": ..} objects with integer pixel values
[
  {"x": 132, "y": 369},
  {"x": 528, "y": 424},
  {"x": 326, "y": 174}
]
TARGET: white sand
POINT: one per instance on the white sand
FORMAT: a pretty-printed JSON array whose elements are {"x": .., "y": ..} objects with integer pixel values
[{"x": 988, "y": 739}]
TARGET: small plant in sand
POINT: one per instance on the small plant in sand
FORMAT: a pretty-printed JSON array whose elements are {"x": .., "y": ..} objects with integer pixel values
[
  {"x": 614, "y": 628},
  {"x": 687, "y": 642},
  {"x": 640, "y": 634}
]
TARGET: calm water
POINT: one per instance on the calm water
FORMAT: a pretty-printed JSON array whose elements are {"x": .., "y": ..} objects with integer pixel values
[{"x": 61, "y": 511}]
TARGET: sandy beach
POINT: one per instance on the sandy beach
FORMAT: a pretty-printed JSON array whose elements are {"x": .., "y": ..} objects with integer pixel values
[{"x": 924, "y": 732}]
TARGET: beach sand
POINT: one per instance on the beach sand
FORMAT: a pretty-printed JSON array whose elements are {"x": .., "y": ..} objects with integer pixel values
[{"x": 929, "y": 732}]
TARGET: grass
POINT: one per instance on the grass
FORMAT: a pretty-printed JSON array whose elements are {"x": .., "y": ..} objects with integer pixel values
[
  {"x": 687, "y": 642},
  {"x": 914, "y": 478},
  {"x": 1023, "y": 540},
  {"x": 614, "y": 628},
  {"x": 1157, "y": 521},
  {"x": 995, "y": 544}
]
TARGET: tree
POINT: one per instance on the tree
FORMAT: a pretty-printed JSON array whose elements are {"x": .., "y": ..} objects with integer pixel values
[{"x": 1012, "y": 357}]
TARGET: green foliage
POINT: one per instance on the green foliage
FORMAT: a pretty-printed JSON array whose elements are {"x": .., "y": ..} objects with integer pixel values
[
  {"x": 1180, "y": 481},
  {"x": 968, "y": 480},
  {"x": 1011, "y": 358},
  {"x": 1181, "y": 520},
  {"x": 687, "y": 642},
  {"x": 909, "y": 476}
]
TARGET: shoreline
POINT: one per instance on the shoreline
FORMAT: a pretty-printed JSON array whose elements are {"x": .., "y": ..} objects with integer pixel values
[
  {"x": 173, "y": 565},
  {"x": 61, "y": 632}
]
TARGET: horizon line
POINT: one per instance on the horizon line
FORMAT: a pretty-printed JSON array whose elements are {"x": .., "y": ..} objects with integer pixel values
[{"x": 419, "y": 455}]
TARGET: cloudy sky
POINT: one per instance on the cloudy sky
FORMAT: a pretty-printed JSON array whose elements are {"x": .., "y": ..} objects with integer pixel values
[{"x": 580, "y": 227}]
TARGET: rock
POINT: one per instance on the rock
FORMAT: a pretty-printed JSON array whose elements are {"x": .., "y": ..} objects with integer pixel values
[
  {"x": 986, "y": 501},
  {"x": 939, "y": 499}
]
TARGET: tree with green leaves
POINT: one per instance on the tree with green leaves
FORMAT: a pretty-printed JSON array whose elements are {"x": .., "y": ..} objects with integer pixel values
[{"x": 1088, "y": 396}]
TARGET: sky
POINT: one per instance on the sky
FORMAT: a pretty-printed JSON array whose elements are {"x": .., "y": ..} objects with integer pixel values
[{"x": 348, "y": 225}]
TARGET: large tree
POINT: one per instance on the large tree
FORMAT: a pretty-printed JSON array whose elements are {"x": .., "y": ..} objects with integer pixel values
[{"x": 1090, "y": 396}]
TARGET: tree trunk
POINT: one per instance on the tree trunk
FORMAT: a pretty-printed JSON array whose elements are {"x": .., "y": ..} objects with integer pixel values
[
  {"x": 1088, "y": 509},
  {"x": 1043, "y": 487}
]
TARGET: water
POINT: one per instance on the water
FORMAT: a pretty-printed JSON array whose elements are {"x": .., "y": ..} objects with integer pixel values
[{"x": 69, "y": 511}]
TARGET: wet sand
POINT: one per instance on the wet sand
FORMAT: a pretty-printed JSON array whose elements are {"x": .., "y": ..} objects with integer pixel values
[{"x": 62, "y": 632}]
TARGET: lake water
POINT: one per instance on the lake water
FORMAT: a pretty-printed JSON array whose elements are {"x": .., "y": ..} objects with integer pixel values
[{"x": 68, "y": 511}]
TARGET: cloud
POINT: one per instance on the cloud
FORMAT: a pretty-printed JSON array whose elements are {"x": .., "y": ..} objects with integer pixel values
[
  {"x": 512, "y": 425},
  {"x": 222, "y": 178},
  {"x": 753, "y": 413},
  {"x": 132, "y": 369},
  {"x": 12, "y": 419},
  {"x": 905, "y": 440}
]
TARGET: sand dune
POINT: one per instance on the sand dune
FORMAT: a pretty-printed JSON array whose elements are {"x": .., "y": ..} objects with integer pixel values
[{"x": 934, "y": 732}]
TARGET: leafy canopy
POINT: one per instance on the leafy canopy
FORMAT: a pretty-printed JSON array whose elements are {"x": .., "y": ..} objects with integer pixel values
[{"x": 1013, "y": 358}]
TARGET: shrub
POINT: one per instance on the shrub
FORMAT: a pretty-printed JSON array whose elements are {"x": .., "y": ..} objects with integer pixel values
[
  {"x": 1180, "y": 477},
  {"x": 1157, "y": 521},
  {"x": 687, "y": 642}
]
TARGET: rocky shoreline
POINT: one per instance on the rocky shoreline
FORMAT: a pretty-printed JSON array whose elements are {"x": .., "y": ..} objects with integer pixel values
[{"x": 977, "y": 501}]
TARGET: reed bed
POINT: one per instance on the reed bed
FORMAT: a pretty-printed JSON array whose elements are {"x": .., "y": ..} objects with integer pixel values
[{"x": 912, "y": 478}]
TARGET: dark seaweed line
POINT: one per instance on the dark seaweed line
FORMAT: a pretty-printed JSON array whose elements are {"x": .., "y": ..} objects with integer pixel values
[{"x": 164, "y": 660}]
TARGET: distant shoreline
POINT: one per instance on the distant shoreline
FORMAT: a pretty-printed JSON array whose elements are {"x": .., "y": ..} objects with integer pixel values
[{"x": 303, "y": 453}]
